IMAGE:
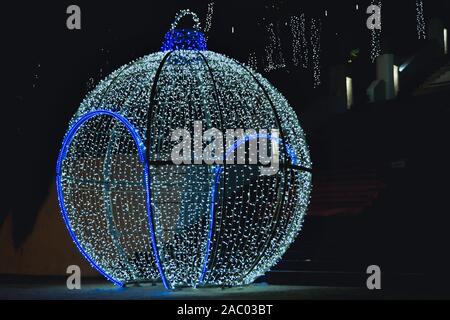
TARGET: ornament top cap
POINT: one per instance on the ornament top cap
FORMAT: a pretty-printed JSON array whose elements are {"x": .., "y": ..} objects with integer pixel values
[{"x": 184, "y": 39}]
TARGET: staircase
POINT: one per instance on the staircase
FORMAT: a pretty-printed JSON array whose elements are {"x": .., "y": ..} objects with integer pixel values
[
  {"x": 344, "y": 192},
  {"x": 339, "y": 196},
  {"x": 438, "y": 81}
]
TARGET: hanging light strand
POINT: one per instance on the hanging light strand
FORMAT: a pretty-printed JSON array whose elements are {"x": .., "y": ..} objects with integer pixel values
[
  {"x": 209, "y": 16},
  {"x": 252, "y": 61},
  {"x": 296, "y": 45},
  {"x": 299, "y": 41},
  {"x": 421, "y": 27},
  {"x": 315, "y": 50},
  {"x": 274, "y": 54},
  {"x": 375, "y": 41}
]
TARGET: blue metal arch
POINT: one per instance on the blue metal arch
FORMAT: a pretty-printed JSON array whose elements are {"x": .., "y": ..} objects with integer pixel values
[{"x": 141, "y": 151}]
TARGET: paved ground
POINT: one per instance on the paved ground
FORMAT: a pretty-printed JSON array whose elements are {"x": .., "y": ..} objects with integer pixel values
[
  {"x": 108, "y": 291},
  {"x": 98, "y": 289}
]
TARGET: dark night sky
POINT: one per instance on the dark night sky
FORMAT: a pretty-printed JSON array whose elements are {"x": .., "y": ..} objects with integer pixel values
[{"x": 49, "y": 69}]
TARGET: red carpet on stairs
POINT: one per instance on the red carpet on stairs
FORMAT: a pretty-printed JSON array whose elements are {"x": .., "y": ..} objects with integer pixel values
[{"x": 344, "y": 191}]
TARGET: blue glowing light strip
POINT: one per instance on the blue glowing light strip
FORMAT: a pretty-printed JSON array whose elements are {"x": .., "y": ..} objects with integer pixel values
[
  {"x": 141, "y": 150},
  {"x": 293, "y": 157}
]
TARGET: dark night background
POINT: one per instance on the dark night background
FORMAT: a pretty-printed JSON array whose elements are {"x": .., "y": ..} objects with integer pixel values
[{"x": 405, "y": 229}]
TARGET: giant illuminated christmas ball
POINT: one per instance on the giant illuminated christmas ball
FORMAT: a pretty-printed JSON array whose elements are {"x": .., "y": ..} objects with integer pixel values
[{"x": 137, "y": 216}]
